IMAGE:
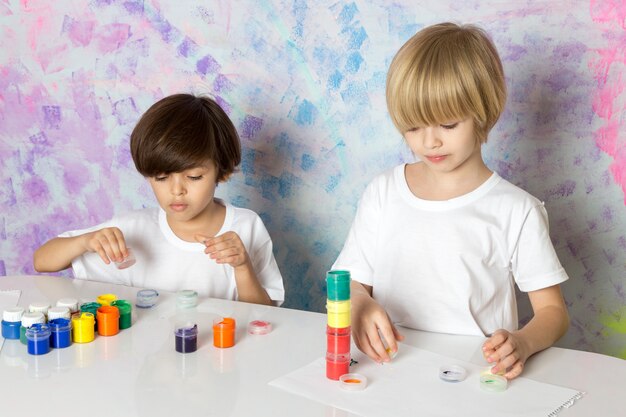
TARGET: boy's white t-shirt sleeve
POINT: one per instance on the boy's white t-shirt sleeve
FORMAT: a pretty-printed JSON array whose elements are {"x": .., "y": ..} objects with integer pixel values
[
  {"x": 535, "y": 264},
  {"x": 359, "y": 250}
]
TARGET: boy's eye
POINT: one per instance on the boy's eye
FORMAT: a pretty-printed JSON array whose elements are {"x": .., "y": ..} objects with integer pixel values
[
  {"x": 450, "y": 126},
  {"x": 195, "y": 178},
  {"x": 413, "y": 129},
  {"x": 160, "y": 178}
]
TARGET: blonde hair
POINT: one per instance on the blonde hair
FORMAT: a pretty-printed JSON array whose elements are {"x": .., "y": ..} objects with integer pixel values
[{"x": 446, "y": 73}]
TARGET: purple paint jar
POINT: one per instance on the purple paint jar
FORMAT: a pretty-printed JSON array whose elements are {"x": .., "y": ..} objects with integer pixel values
[
  {"x": 38, "y": 339},
  {"x": 61, "y": 333},
  {"x": 187, "y": 338}
]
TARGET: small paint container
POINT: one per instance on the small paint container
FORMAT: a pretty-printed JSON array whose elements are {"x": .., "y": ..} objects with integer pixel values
[
  {"x": 390, "y": 352},
  {"x": 337, "y": 365},
  {"x": 338, "y": 285},
  {"x": 125, "y": 313},
  {"x": 28, "y": 319},
  {"x": 259, "y": 327},
  {"x": 493, "y": 383},
  {"x": 91, "y": 307},
  {"x": 70, "y": 303},
  {"x": 146, "y": 298},
  {"x": 39, "y": 307},
  {"x": 61, "y": 333},
  {"x": 11, "y": 322},
  {"x": 186, "y": 299},
  {"x": 186, "y": 338},
  {"x": 353, "y": 382},
  {"x": 108, "y": 318},
  {"x": 83, "y": 327},
  {"x": 106, "y": 299},
  {"x": 338, "y": 313},
  {"x": 58, "y": 313},
  {"x": 337, "y": 340},
  {"x": 128, "y": 261},
  {"x": 38, "y": 337},
  {"x": 452, "y": 373},
  {"x": 224, "y": 332}
]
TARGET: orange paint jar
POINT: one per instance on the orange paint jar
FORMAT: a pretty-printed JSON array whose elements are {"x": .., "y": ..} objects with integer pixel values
[
  {"x": 224, "y": 332},
  {"x": 108, "y": 318}
]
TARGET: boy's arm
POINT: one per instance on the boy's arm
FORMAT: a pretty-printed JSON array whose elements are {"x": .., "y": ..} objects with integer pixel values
[
  {"x": 549, "y": 323},
  {"x": 248, "y": 286},
  {"x": 57, "y": 254}
]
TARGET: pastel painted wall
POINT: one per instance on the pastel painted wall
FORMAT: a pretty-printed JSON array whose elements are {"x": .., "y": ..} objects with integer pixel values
[{"x": 304, "y": 84}]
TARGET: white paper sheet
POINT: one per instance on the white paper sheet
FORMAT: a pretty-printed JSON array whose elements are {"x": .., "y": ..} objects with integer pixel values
[
  {"x": 410, "y": 386},
  {"x": 8, "y": 299}
]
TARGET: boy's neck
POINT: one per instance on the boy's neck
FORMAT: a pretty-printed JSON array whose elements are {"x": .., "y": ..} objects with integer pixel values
[{"x": 207, "y": 223}]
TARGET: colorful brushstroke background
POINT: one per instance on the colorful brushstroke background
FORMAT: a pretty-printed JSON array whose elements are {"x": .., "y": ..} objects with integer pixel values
[{"x": 304, "y": 84}]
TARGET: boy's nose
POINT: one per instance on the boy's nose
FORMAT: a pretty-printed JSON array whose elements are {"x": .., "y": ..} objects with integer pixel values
[
  {"x": 430, "y": 138},
  {"x": 177, "y": 189}
]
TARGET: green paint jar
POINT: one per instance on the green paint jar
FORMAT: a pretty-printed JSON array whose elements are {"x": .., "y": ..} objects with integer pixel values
[
  {"x": 338, "y": 285},
  {"x": 125, "y": 313}
]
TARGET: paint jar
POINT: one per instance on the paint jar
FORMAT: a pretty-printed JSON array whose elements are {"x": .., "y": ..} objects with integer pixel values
[
  {"x": 83, "y": 327},
  {"x": 338, "y": 285},
  {"x": 186, "y": 338},
  {"x": 128, "y": 261},
  {"x": 106, "y": 299},
  {"x": 388, "y": 349},
  {"x": 146, "y": 298},
  {"x": 259, "y": 327},
  {"x": 224, "y": 332},
  {"x": 91, "y": 307},
  {"x": 337, "y": 340},
  {"x": 58, "y": 313},
  {"x": 11, "y": 322},
  {"x": 39, "y": 307},
  {"x": 186, "y": 299},
  {"x": 493, "y": 383},
  {"x": 338, "y": 313},
  {"x": 337, "y": 365},
  {"x": 28, "y": 319},
  {"x": 38, "y": 337},
  {"x": 61, "y": 333},
  {"x": 125, "y": 313},
  {"x": 70, "y": 303},
  {"x": 353, "y": 382},
  {"x": 452, "y": 373},
  {"x": 108, "y": 318}
]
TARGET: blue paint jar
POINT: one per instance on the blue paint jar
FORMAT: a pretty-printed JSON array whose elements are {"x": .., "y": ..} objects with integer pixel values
[
  {"x": 28, "y": 319},
  {"x": 11, "y": 322},
  {"x": 61, "y": 333},
  {"x": 38, "y": 337},
  {"x": 146, "y": 298}
]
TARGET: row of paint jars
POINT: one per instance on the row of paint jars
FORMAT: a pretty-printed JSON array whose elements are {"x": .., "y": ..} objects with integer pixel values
[{"x": 338, "y": 324}]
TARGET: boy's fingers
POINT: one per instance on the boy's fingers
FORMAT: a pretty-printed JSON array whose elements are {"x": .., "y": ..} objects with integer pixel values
[
  {"x": 201, "y": 238},
  {"x": 103, "y": 255},
  {"x": 515, "y": 371}
]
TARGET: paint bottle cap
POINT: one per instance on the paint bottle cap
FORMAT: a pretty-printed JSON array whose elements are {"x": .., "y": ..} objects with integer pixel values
[
  {"x": 38, "y": 331},
  {"x": 353, "y": 382},
  {"x": 146, "y": 298},
  {"x": 128, "y": 261},
  {"x": 123, "y": 306},
  {"x": 338, "y": 285},
  {"x": 106, "y": 299},
  {"x": 60, "y": 325},
  {"x": 452, "y": 373},
  {"x": 186, "y": 298},
  {"x": 493, "y": 383},
  {"x": 186, "y": 330},
  {"x": 259, "y": 327},
  {"x": 71, "y": 303},
  {"x": 13, "y": 314},
  {"x": 58, "y": 313},
  {"x": 28, "y": 319},
  {"x": 39, "y": 307}
]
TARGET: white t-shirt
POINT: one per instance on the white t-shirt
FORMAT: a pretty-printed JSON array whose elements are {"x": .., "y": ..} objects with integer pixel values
[
  {"x": 165, "y": 262},
  {"x": 450, "y": 266}
]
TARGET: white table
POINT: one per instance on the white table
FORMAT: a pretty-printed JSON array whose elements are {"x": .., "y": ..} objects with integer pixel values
[{"x": 139, "y": 373}]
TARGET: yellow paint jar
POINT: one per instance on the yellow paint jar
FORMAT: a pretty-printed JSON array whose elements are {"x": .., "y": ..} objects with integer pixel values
[
  {"x": 338, "y": 313},
  {"x": 106, "y": 299},
  {"x": 83, "y": 327}
]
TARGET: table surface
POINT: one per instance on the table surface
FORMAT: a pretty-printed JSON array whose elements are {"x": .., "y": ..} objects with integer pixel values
[{"x": 139, "y": 373}]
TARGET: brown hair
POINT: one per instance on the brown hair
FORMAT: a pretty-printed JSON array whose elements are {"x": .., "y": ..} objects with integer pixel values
[
  {"x": 181, "y": 132},
  {"x": 444, "y": 73}
]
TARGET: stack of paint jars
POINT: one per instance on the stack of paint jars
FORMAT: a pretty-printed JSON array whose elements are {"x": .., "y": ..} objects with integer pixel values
[{"x": 338, "y": 328}]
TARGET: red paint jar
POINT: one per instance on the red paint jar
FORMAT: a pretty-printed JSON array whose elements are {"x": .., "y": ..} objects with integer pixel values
[{"x": 337, "y": 340}]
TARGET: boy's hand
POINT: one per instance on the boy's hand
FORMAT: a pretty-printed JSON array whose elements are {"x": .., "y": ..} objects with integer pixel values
[
  {"x": 109, "y": 243},
  {"x": 225, "y": 249},
  {"x": 367, "y": 318},
  {"x": 508, "y": 351}
]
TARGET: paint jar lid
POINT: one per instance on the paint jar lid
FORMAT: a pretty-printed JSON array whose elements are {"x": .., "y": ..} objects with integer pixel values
[
  {"x": 60, "y": 325},
  {"x": 224, "y": 323},
  {"x": 186, "y": 330},
  {"x": 108, "y": 311},
  {"x": 128, "y": 261},
  {"x": 186, "y": 298},
  {"x": 38, "y": 331},
  {"x": 493, "y": 383},
  {"x": 338, "y": 285},
  {"x": 28, "y": 319},
  {"x": 90, "y": 307},
  {"x": 353, "y": 382},
  {"x": 123, "y": 306},
  {"x": 452, "y": 373},
  {"x": 106, "y": 299},
  {"x": 39, "y": 307},
  {"x": 146, "y": 298},
  {"x": 58, "y": 312},
  {"x": 338, "y": 357},
  {"x": 259, "y": 327},
  {"x": 13, "y": 314},
  {"x": 71, "y": 303},
  {"x": 84, "y": 318}
]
